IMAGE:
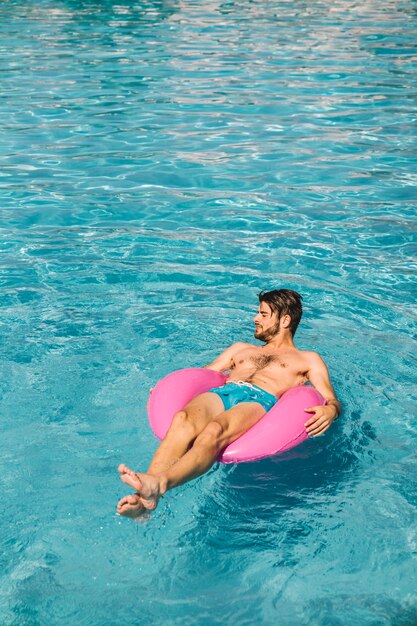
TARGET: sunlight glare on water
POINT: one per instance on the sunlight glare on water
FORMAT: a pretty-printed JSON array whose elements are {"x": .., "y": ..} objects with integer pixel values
[{"x": 162, "y": 162}]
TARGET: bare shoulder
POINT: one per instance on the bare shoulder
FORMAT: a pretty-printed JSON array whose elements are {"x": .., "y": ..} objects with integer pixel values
[
  {"x": 313, "y": 359},
  {"x": 239, "y": 345},
  {"x": 311, "y": 356}
]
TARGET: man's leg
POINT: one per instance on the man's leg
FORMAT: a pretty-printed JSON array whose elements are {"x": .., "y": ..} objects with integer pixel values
[
  {"x": 185, "y": 427},
  {"x": 218, "y": 433}
]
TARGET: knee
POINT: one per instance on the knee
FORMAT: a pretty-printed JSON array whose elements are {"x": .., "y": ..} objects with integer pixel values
[
  {"x": 180, "y": 417},
  {"x": 211, "y": 436},
  {"x": 181, "y": 421}
]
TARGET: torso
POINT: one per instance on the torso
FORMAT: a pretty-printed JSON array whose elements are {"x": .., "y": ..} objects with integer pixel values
[{"x": 274, "y": 370}]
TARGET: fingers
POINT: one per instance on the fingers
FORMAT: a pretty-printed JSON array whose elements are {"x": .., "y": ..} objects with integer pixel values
[
  {"x": 320, "y": 416},
  {"x": 313, "y": 419},
  {"x": 318, "y": 424},
  {"x": 319, "y": 429}
]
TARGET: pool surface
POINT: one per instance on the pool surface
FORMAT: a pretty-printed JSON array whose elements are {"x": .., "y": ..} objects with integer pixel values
[{"x": 161, "y": 163}]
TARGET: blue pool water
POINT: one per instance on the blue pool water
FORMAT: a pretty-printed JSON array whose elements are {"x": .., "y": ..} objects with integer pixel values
[{"x": 162, "y": 162}]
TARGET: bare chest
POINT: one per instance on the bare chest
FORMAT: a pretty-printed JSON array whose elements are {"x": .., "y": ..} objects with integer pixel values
[{"x": 257, "y": 360}]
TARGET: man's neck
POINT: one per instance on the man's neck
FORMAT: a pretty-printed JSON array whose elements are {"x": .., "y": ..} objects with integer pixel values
[{"x": 282, "y": 340}]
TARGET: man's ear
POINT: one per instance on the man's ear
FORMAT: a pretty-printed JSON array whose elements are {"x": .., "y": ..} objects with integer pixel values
[{"x": 285, "y": 321}]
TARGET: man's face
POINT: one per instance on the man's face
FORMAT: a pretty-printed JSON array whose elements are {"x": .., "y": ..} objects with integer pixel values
[{"x": 267, "y": 324}]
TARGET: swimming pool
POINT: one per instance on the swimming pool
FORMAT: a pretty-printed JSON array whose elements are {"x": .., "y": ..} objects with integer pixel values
[{"x": 162, "y": 162}]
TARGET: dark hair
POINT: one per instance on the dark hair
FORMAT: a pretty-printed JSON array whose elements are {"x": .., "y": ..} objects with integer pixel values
[{"x": 284, "y": 302}]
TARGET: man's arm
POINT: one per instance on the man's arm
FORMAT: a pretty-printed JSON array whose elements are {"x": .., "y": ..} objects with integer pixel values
[
  {"x": 323, "y": 416},
  {"x": 224, "y": 362}
]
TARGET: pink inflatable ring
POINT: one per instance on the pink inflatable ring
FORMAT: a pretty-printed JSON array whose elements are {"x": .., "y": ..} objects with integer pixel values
[{"x": 280, "y": 429}]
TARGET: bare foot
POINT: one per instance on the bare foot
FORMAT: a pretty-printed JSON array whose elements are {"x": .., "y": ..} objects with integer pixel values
[
  {"x": 131, "y": 506},
  {"x": 148, "y": 487},
  {"x": 129, "y": 477}
]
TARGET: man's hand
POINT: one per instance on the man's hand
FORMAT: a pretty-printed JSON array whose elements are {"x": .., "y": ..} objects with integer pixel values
[{"x": 322, "y": 419}]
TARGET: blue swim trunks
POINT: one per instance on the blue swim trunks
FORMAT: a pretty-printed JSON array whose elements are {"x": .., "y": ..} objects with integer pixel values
[{"x": 233, "y": 393}]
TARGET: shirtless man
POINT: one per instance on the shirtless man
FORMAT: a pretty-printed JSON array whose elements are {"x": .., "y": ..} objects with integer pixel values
[{"x": 259, "y": 375}]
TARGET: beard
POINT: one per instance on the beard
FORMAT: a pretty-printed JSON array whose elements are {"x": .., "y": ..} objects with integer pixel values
[{"x": 267, "y": 335}]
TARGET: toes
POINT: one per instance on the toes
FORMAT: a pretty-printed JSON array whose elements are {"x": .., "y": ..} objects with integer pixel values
[
  {"x": 126, "y": 501},
  {"x": 129, "y": 477},
  {"x": 130, "y": 505},
  {"x": 133, "y": 500},
  {"x": 132, "y": 480}
]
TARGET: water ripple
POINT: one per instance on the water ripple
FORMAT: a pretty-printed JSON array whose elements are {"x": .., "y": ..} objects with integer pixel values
[{"x": 161, "y": 164}]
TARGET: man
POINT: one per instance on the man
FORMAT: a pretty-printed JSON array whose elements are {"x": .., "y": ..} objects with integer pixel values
[{"x": 259, "y": 375}]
